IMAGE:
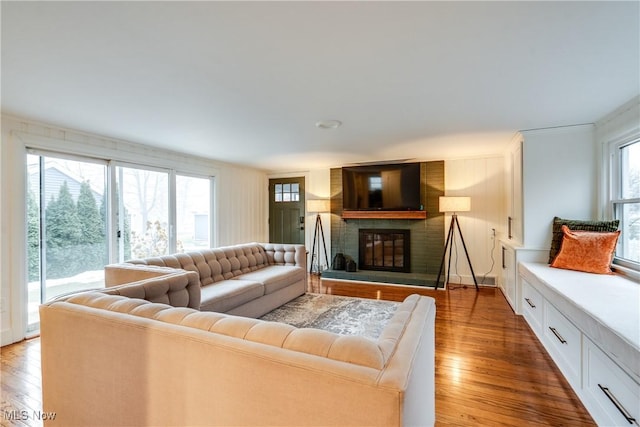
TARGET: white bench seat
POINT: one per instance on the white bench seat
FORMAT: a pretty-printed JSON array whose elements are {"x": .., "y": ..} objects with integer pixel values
[{"x": 606, "y": 308}]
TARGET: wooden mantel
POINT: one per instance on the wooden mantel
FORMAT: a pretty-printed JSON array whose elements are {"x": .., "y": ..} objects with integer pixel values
[{"x": 384, "y": 214}]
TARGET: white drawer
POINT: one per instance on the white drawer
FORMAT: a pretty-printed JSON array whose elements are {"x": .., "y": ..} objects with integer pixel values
[
  {"x": 532, "y": 306},
  {"x": 564, "y": 342},
  {"x": 613, "y": 397}
]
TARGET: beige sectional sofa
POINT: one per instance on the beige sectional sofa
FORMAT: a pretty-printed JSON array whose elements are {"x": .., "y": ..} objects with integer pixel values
[
  {"x": 248, "y": 280},
  {"x": 113, "y": 357}
]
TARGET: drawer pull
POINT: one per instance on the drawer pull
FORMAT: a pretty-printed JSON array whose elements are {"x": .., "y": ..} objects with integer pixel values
[
  {"x": 532, "y": 305},
  {"x": 618, "y": 405},
  {"x": 562, "y": 340}
]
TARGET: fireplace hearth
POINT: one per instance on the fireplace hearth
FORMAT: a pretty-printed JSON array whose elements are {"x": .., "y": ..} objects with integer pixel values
[{"x": 385, "y": 250}]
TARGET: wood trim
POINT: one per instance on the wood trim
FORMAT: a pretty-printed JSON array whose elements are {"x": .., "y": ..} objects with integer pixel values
[{"x": 384, "y": 214}]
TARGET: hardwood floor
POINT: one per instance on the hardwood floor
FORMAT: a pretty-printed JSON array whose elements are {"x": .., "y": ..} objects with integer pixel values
[
  {"x": 21, "y": 390},
  {"x": 490, "y": 368}
]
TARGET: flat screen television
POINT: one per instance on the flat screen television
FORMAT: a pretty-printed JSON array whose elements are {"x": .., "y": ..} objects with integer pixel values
[{"x": 391, "y": 187}]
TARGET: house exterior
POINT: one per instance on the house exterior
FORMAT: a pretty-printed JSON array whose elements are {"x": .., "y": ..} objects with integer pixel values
[{"x": 56, "y": 176}]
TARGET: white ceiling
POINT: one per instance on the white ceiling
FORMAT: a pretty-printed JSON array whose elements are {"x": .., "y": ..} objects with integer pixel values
[{"x": 245, "y": 82}]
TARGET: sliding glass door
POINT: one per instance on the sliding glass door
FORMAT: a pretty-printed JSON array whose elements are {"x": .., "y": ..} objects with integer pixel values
[
  {"x": 142, "y": 212},
  {"x": 77, "y": 223},
  {"x": 67, "y": 245},
  {"x": 193, "y": 204}
]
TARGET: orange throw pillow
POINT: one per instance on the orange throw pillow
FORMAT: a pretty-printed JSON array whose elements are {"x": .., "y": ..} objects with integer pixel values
[{"x": 588, "y": 251}]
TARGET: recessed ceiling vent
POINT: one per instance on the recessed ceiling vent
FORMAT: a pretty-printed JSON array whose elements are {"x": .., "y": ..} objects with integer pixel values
[{"x": 328, "y": 124}]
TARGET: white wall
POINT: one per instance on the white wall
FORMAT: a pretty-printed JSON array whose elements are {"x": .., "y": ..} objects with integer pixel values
[
  {"x": 318, "y": 187},
  {"x": 559, "y": 179},
  {"x": 13, "y": 241},
  {"x": 482, "y": 179},
  {"x": 5, "y": 294},
  {"x": 239, "y": 210}
]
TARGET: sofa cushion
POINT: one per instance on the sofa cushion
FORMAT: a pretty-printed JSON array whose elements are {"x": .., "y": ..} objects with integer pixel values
[
  {"x": 276, "y": 277},
  {"x": 228, "y": 294}
]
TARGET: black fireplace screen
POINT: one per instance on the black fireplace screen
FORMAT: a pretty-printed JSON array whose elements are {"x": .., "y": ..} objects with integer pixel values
[{"x": 385, "y": 250}]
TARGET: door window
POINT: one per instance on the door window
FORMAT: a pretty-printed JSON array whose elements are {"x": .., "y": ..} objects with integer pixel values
[{"x": 287, "y": 192}]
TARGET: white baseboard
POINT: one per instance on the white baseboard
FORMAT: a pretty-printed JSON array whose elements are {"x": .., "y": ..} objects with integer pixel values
[
  {"x": 489, "y": 281},
  {"x": 6, "y": 337}
]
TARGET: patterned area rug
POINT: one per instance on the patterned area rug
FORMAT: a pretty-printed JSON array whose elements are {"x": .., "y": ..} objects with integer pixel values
[{"x": 340, "y": 315}]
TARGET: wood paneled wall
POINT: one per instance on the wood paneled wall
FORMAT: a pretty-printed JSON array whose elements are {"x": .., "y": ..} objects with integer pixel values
[
  {"x": 242, "y": 206},
  {"x": 483, "y": 180}
]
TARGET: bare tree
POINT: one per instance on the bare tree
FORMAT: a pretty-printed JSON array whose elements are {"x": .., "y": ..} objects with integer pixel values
[{"x": 147, "y": 186}]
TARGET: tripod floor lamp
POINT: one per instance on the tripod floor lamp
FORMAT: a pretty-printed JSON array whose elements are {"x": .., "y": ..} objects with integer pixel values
[
  {"x": 454, "y": 205},
  {"x": 318, "y": 206}
]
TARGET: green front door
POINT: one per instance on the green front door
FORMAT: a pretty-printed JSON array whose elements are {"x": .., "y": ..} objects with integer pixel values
[{"x": 286, "y": 210}]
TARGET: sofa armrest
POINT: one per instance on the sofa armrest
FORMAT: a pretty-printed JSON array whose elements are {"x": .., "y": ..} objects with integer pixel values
[
  {"x": 286, "y": 254},
  {"x": 118, "y": 274},
  {"x": 177, "y": 289}
]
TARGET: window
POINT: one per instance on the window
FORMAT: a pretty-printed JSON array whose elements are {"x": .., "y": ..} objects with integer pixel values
[
  {"x": 193, "y": 204},
  {"x": 142, "y": 212},
  {"x": 625, "y": 203},
  {"x": 287, "y": 192},
  {"x": 375, "y": 183},
  {"x": 83, "y": 213}
]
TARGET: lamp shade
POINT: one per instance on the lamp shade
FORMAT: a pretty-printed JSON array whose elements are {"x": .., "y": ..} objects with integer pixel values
[
  {"x": 318, "y": 205},
  {"x": 455, "y": 204}
]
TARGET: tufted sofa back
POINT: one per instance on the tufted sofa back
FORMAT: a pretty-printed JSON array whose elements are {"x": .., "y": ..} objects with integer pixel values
[
  {"x": 214, "y": 265},
  {"x": 137, "y": 350},
  {"x": 351, "y": 349}
]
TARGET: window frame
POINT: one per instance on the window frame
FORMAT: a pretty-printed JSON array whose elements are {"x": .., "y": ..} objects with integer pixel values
[
  {"x": 615, "y": 200},
  {"x": 292, "y": 195}
]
